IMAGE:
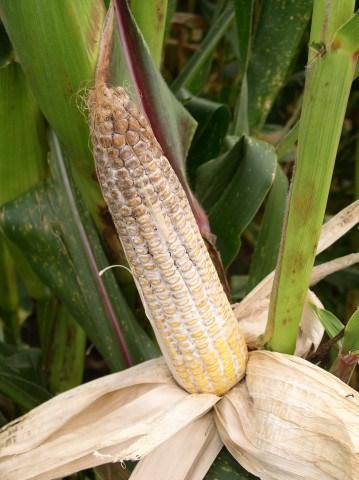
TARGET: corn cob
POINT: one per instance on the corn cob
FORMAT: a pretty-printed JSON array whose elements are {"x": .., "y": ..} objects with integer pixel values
[{"x": 182, "y": 295}]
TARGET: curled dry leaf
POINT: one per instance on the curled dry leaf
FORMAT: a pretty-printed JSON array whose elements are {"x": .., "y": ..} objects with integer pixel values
[
  {"x": 253, "y": 324},
  {"x": 327, "y": 268},
  {"x": 291, "y": 420},
  {"x": 311, "y": 330},
  {"x": 123, "y": 416}
]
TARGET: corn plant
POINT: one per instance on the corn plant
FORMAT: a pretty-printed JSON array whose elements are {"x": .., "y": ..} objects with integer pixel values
[{"x": 169, "y": 173}]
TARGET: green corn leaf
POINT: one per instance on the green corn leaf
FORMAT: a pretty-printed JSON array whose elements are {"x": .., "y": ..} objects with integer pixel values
[
  {"x": 63, "y": 344},
  {"x": 114, "y": 471},
  {"x": 57, "y": 46},
  {"x": 333, "y": 326},
  {"x": 33, "y": 285},
  {"x": 351, "y": 335},
  {"x": 22, "y": 165},
  {"x": 232, "y": 188},
  {"x": 21, "y": 378},
  {"x": 65, "y": 252},
  {"x": 151, "y": 17},
  {"x": 213, "y": 120},
  {"x": 23, "y": 137},
  {"x": 225, "y": 467},
  {"x": 287, "y": 142},
  {"x": 266, "y": 251},
  {"x": 201, "y": 71},
  {"x": 244, "y": 20},
  {"x": 279, "y": 31},
  {"x": 5, "y": 47},
  {"x": 347, "y": 37},
  {"x": 238, "y": 284},
  {"x": 356, "y": 73},
  {"x": 326, "y": 94},
  {"x": 9, "y": 298}
]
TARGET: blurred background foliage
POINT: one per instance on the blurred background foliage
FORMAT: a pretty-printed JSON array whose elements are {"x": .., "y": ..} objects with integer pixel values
[{"x": 232, "y": 93}]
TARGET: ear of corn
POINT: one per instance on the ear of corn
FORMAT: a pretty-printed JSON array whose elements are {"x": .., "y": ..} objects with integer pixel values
[{"x": 179, "y": 287}]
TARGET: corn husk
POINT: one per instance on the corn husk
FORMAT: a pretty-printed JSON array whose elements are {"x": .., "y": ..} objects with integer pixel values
[
  {"x": 119, "y": 417},
  {"x": 253, "y": 324},
  {"x": 188, "y": 455},
  {"x": 291, "y": 420},
  {"x": 311, "y": 330}
]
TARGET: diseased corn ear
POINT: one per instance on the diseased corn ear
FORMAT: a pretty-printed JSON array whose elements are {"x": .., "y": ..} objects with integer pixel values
[
  {"x": 289, "y": 419},
  {"x": 182, "y": 295}
]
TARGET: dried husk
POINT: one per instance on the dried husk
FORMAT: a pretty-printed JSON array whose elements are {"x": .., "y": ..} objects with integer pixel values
[
  {"x": 311, "y": 330},
  {"x": 123, "y": 416},
  {"x": 188, "y": 455},
  {"x": 253, "y": 324},
  {"x": 327, "y": 268},
  {"x": 289, "y": 419}
]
